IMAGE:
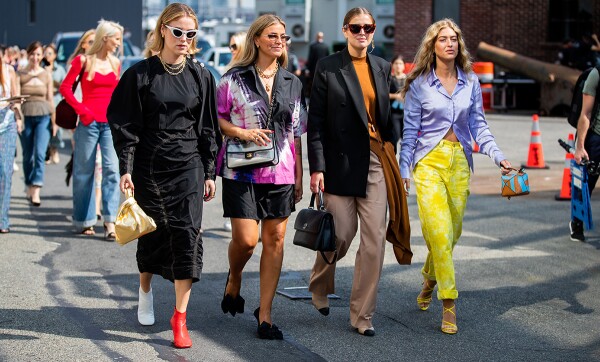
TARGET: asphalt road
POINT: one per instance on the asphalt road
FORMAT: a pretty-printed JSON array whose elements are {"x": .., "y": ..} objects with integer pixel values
[{"x": 527, "y": 293}]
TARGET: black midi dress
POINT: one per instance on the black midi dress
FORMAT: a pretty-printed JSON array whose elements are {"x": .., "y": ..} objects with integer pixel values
[{"x": 166, "y": 136}]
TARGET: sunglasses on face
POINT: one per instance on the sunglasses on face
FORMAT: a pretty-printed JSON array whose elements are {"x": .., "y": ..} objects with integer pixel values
[
  {"x": 355, "y": 28},
  {"x": 284, "y": 38},
  {"x": 178, "y": 33},
  {"x": 233, "y": 47}
]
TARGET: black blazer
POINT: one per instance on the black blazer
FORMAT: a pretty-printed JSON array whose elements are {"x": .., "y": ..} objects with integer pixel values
[{"x": 338, "y": 138}]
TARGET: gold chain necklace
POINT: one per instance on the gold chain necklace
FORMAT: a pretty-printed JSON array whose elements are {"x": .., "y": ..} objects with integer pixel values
[
  {"x": 173, "y": 69},
  {"x": 266, "y": 78}
]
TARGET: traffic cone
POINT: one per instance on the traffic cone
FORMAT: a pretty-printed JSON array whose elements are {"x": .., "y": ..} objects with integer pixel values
[
  {"x": 565, "y": 190},
  {"x": 475, "y": 147},
  {"x": 536, "y": 152}
]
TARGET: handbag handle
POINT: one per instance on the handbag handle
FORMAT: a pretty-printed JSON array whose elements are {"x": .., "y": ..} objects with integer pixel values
[
  {"x": 321, "y": 201},
  {"x": 129, "y": 192},
  {"x": 76, "y": 83},
  {"x": 520, "y": 171}
]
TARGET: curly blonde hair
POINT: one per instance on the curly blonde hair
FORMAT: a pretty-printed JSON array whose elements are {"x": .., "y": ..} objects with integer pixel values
[{"x": 425, "y": 57}]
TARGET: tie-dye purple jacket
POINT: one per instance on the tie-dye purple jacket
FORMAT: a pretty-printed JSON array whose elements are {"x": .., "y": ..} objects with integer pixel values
[{"x": 242, "y": 100}]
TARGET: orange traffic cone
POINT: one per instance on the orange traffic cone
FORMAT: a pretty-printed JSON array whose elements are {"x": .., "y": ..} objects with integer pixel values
[
  {"x": 475, "y": 147},
  {"x": 565, "y": 190},
  {"x": 536, "y": 152}
]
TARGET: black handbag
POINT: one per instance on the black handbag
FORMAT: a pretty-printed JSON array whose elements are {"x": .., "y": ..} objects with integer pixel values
[
  {"x": 315, "y": 229},
  {"x": 66, "y": 117}
]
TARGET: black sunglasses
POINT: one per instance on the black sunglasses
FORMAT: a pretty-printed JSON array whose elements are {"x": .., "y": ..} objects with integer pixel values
[
  {"x": 233, "y": 47},
  {"x": 355, "y": 28},
  {"x": 178, "y": 33}
]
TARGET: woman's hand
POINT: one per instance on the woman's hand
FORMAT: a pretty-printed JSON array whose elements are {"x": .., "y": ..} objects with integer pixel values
[
  {"x": 317, "y": 182},
  {"x": 209, "y": 190},
  {"x": 406, "y": 185},
  {"x": 298, "y": 190},
  {"x": 126, "y": 183},
  {"x": 505, "y": 167},
  {"x": 258, "y": 136}
]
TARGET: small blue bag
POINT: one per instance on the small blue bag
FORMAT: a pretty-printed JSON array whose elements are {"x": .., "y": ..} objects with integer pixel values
[{"x": 515, "y": 184}]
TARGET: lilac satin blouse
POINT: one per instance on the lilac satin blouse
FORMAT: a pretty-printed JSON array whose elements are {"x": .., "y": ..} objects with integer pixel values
[{"x": 429, "y": 112}]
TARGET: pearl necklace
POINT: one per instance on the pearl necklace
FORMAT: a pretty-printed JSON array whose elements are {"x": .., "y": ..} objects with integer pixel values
[
  {"x": 266, "y": 78},
  {"x": 173, "y": 69}
]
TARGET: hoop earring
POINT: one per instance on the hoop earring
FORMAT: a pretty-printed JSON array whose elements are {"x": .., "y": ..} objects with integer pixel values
[{"x": 372, "y": 46}]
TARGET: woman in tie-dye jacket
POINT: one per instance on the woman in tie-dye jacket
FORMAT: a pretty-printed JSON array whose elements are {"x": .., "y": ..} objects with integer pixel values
[{"x": 245, "y": 95}]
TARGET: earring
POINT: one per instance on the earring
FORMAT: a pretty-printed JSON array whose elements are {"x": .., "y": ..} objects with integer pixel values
[{"x": 372, "y": 46}]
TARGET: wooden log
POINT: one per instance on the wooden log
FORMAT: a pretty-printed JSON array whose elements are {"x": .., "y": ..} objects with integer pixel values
[{"x": 541, "y": 71}]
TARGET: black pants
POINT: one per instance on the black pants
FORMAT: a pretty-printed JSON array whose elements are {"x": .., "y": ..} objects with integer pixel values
[{"x": 592, "y": 147}]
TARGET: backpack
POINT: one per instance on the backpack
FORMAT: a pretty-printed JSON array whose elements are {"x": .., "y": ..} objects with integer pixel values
[{"x": 577, "y": 100}]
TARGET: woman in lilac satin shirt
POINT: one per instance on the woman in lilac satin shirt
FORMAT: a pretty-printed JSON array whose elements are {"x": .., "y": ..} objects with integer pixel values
[{"x": 442, "y": 111}]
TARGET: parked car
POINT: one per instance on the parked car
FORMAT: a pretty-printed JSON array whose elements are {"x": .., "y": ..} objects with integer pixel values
[
  {"x": 66, "y": 43},
  {"x": 129, "y": 61},
  {"x": 217, "y": 57}
]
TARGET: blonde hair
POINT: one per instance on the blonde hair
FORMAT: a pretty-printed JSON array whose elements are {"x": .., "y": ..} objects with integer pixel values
[
  {"x": 105, "y": 29},
  {"x": 425, "y": 57},
  {"x": 239, "y": 39},
  {"x": 172, "y": 12},
  {"x": 79, "y": 48},
  {"x": 147, "y": 53},
  {"x": 250, "y": 53}
]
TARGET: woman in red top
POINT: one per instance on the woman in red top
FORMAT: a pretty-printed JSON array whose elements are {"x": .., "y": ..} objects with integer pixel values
[{"x": 100, "y": 77}]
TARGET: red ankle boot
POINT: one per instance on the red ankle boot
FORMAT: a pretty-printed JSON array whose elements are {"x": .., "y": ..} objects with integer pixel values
[{"x": 181, "y": 337}]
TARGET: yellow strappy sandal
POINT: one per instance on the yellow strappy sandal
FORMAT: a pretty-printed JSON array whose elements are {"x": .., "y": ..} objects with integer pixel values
[
  {"x": 449, "y": 327},
  {"x": 428, "y": 290}
]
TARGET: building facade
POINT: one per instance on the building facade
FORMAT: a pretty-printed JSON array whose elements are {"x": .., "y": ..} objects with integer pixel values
[
  {"x": 534, "y": 28},
  {"x": 25, "y": 21}
]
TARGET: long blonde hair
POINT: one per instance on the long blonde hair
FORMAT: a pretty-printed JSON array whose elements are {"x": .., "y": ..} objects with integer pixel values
[
  {"x": 425, "y": 57},
  {"x": 239, "y": 39},
  {"x": 250, "y": 53},
  {"x": 79, "y": 48},
  {"x": 105, "y": 29},
  {"x": 172, "y": 12}
]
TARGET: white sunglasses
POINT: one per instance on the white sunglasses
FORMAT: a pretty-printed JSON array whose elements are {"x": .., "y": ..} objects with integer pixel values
[{"x": 178, "y": 33}]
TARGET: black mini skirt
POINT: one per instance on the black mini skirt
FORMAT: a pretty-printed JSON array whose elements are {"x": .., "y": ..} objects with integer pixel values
[{"x": 245, "y": 200}]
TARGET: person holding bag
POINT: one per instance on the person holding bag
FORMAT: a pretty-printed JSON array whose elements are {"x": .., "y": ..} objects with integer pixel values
[
  {"x": 101, "y": 69},
  {"x": 163, "y": 118},
  {"x": 352, "y": 160},
  {"x": 443, "y": 110},
  {"x": 261, "y": 104}
]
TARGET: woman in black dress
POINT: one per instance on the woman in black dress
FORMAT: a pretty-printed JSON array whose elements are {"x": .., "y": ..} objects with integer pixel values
[{"x": 164, "y": 123}]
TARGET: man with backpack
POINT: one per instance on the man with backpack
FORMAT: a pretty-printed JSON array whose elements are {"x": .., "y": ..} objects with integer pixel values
[{"x": 587, "y": 145}]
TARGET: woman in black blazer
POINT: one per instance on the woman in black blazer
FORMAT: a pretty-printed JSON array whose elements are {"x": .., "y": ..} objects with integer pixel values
[{"x": 352, "y": 160}]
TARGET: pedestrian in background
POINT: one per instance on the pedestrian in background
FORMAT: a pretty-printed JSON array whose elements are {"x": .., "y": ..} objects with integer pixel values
[
  {"x": 316, "y": 51},
  {"x": 443, "y": 111},
  {"x": 58, "y": 73},
  {"x": 258, "y": 88},
  {"x": 588, "y": 141},
  {"x": 352, "y": 161},
  {"x": 99, "y": 79},
  {"x": 38, "y": 110},
  {"x": 396, "y": 100},
  {"x": 164, "y": 120},
  {"x": 293, "y": 64},
  {"x": 10, "y": 125}
]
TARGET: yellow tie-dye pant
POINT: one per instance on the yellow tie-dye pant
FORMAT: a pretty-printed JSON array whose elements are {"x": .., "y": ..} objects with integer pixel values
[{"x": 442, "y": 183}]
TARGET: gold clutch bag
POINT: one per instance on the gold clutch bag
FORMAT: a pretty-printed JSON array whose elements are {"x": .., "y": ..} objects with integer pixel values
[{"x": 132, "y": 222}]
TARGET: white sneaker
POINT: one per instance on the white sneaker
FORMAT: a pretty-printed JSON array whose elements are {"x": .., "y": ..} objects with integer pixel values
[
  {"x": 146, "y": 308},
  {"x": 227, "y": 225}
]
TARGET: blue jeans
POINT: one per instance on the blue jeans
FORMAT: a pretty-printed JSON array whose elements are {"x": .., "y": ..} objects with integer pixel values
[
  {"x": 84, "y": 160},
  {"x": 34, "y": 140},
  {"x": 8, "y": 145}
]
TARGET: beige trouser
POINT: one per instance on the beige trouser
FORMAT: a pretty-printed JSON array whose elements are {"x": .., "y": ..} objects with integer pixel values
[{"x": 369, "y": 258}]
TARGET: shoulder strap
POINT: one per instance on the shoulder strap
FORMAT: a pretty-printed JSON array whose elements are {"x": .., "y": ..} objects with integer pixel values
[{"x": 78, "y": 78}]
